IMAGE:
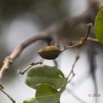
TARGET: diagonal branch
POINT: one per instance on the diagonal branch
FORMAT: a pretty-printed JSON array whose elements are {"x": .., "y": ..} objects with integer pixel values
[
  {"x": 1, "y": 89},
  {"x": 31, "y": 65},
  {"x": 18, "y": 50}
]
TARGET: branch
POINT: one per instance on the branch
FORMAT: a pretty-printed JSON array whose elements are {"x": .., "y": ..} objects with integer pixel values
[
  {"x": 88, "y": 31},
  {"x": 49, "y": 42},
  {"x": 46, "y": 35},
  {"x": 32, "y": 64},
  {"x": 71, "y": 71},
  {"x": 56, "y": 28},
  {"x": 76, "y": 59},
  {"x": 92, "y": 39},
  {"x": 18, "y": 50},
  {"x": 82, "y": 40},
  {"x": 1, "y": 89}
]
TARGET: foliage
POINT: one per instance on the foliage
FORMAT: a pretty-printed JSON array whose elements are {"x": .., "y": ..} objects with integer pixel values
[
  {"x": 99, "y": 25},
  {"x": 45, "y": 94},
  {"x": 46, "y": 80}
]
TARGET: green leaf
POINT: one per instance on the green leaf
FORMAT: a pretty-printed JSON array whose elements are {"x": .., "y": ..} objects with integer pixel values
[
  {"x": 47, "y": 94},
  {"x": 33, "y": 100},
  {"x": 45, "y": 75},
  {"x": 99, "y": 25}
]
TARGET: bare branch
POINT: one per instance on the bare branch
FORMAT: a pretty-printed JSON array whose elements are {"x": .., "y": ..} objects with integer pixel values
[
  {"x": 71, "y": 71},
  {"x": 82, "y": 40},
  {"x": 79, "y": 43},
  {"x": 18, "y": 50},
  {"x": 74, "y": 42},
  {"x": 31, "y": 65},
  {"x": 1, "y": 89},
  {"x": 76, "y": 59},
  {"x": 92, "y": 39},
  {"x": 88, "y": 30},
  {"x": 73, "y": 74},
  {"x": 1, "y": 86}
]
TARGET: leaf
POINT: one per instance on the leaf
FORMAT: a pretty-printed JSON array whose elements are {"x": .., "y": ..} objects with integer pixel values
[
  {"x": 47, "y": 94},
  {"x": 45, "y": 75},
  {"x": 99, "y": 25},
  {"x": 33, "y": 100}
]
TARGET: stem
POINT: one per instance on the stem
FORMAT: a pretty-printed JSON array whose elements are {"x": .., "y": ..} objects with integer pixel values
[
  {"x": 18, "y": 50},
  {"x": 31, "y": 65},
  {"x": 1, "y": 88},
  {"x": 71, "y": 46},
  {"x": 72, "y": 71},
  {"x": 71, "y": 78},
  {"x": 88, "y": 31},
  {"x": 92, "y": 39}
]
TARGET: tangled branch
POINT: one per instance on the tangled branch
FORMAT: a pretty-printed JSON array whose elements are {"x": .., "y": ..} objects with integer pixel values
[{"x": 53, "y": 29}]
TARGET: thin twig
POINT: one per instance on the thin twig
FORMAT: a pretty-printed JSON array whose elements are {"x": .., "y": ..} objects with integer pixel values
[
  {"x": 82, "y": 40},
  {"x": 92, "y": 39},
  {"x": 31, "y": 65},
  {"x": 71, "y": 46},
  {"x": 71, "y": 78},
  {"x": 88, "y": 31},
  {"x": 71, "y": 71},
  {"x": 88, "y": 39},
  {"x": 76, "y": 59},
  {"x": 1, "y": 86},
  {"x": 1, "y": 89},
  {"x": 18, "y": 50}
]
